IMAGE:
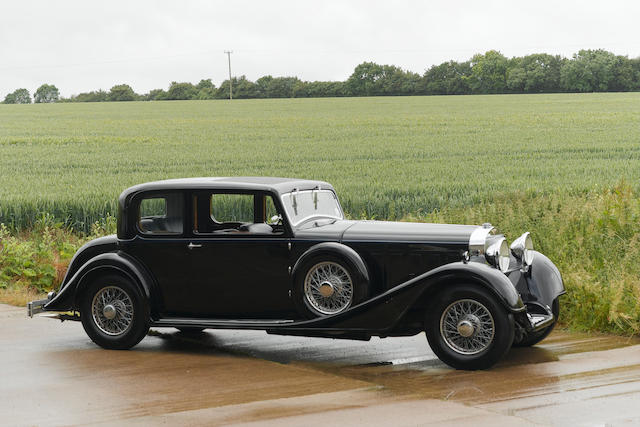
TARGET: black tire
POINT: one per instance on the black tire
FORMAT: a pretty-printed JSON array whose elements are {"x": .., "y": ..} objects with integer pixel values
[
  {"x": 489, "y": 350},
  {"x": 137, "y": 324},
  {"x": 536, "y": 337},
  {"x": 303, "y": 303}
]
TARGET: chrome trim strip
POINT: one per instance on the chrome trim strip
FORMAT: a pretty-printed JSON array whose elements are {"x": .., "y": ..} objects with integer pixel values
[{"x": 213, "y": 323}]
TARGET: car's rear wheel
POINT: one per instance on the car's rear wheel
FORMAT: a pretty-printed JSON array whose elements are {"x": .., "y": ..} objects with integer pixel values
[
  {"x": 535, "y": 337},
  {"x": 113, "y": 313},
  {"x": 328, "y": 285},
  {"x": 468, "y": 329}
]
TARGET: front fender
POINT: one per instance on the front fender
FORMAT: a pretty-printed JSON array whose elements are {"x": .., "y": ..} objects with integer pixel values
[
  {"x": 542, "y": 283},
  {"x": 382, "y": 312},
  {"x": 66, "y": 298}
]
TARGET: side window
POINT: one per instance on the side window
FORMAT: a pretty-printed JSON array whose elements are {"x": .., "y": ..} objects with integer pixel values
[
  {"x": 161, "y": 214},
  {"x": 228, "y": 214},
  {"x": 232, "y": 208}
]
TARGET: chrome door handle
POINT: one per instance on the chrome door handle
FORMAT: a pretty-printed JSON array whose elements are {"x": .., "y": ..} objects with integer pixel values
[{"x": 194, "y": 245}]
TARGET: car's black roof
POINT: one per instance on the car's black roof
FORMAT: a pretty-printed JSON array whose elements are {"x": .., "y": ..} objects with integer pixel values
[{"x": 278, "y": 185}]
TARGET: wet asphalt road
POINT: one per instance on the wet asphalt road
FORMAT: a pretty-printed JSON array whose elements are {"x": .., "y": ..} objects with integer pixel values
[{"x": 52, "y": 374}]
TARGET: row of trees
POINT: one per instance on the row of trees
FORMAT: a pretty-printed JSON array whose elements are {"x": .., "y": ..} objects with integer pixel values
[
  {"x": 45, "y": 93},
  {"x": 491, "y": 72},
  {"x": 586, "y": 71}
]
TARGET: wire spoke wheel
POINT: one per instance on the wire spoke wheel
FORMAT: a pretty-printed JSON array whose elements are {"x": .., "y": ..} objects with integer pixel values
[
  {"x": 112, "y": 310},
  {"x": 467, "y": 327},
  {"x": 328, "y": 288}
]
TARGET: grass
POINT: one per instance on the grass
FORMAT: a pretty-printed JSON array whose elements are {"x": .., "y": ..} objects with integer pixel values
[
  {"x": 565, "y": 167},
  {"x": 387, "y": 157}
]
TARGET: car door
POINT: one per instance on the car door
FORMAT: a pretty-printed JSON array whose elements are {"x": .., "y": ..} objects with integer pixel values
[
  {"x": 161, "y": 245},
  {"x": 239, "y": 263}
]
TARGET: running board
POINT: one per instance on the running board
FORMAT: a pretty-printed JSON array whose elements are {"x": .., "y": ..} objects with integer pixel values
[{"x": 177, "y": 322}]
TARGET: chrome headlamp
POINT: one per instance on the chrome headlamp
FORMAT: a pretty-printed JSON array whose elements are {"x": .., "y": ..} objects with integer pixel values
[
  {"x": 522, "y": 248},
  {"x": 498, "y": 254},
  {"x": 495, "y": 249}
]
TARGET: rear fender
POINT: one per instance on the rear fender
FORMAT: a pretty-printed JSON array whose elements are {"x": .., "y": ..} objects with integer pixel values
[{"x": 114, "y": 262}]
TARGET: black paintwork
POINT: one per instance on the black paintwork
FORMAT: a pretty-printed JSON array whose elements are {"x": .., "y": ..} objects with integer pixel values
[
  {"x": 541, "y": 284},
  {"x": 244, "y": 280}
]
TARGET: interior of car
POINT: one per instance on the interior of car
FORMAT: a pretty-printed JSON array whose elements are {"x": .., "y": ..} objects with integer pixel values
[
  {"x": 236, "y": 213},
  {"x": 161, "y": 214}
]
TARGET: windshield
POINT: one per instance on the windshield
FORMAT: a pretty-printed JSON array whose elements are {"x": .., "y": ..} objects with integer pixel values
[{"x": 302, "y": 205}]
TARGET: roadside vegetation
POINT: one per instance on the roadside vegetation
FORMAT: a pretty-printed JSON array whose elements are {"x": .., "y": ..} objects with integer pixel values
[
  {"x": 593, "y": 238},
  {"x": 33, "y": 262}
]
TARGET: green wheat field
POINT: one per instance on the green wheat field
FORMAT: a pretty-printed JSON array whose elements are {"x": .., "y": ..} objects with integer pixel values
[
  {"x": 387, "y": 157},
  {"x": 564, "y": 166}
]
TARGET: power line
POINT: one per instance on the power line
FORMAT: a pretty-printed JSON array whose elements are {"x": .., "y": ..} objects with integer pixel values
[
  {"x": 229, "y": 52},
  {"x": 631, "y": 47}
]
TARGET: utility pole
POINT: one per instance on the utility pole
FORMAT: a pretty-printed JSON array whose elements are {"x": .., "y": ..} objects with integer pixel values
[{"x": 229, "y": 52}]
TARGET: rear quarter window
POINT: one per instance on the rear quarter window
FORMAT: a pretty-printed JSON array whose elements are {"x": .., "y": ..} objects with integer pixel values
[{"x": 161, "y": 214}]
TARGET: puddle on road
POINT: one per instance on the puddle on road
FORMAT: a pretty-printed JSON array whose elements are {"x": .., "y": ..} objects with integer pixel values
[
  {"x": 522, "y": 373},
  {"x": 410, "y": 354},
  {"x": 177, "y": 373},
  {"x": 561, "y": 342},
  {"x": 407, "y": 372},
  {"x": 171, "y": 371}
]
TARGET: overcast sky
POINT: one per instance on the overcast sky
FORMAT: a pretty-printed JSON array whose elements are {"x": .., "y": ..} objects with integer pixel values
[{"x": 86, "y": 45}]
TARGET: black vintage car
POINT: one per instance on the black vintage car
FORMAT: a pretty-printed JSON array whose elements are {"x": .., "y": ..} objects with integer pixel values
[{"x": 278, "y": 255}]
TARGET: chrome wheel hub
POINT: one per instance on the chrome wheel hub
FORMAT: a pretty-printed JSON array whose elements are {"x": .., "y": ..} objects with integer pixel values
[
  {"x": 328, "y": 288},
  {"x": 112, "y": 310},
  {"x": 109, "y": 311},
  {"x": 467, "y": 327}
]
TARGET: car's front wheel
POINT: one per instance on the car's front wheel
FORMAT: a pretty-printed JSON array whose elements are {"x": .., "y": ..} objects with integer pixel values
[
  {"x": 468, "y": 329},
  {"x": 113, "y": 313}
]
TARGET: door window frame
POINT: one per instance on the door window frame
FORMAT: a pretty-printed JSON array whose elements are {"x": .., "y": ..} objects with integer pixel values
[{"x": 196, "y": 207}]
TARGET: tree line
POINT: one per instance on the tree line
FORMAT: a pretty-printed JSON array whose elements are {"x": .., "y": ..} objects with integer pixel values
[{"x": 488, "y": 73}]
